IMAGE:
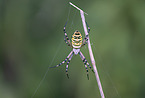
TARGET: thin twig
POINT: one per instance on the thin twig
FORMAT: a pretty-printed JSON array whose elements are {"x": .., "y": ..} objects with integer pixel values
[{"x": 90, "y": 52}]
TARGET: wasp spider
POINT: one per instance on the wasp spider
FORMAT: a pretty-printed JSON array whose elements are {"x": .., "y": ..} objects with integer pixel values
[{"x": 76, "y": 43}]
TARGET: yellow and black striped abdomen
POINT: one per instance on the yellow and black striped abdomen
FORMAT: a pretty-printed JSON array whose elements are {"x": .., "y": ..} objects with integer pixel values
[{"x": 76, "y": 39}]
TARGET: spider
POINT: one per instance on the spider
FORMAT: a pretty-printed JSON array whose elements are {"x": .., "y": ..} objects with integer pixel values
[{"x": 76, "y": 44}]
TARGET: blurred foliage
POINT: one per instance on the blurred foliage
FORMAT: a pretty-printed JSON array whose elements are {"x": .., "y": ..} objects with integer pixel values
[{"x": 31, "y": 40}]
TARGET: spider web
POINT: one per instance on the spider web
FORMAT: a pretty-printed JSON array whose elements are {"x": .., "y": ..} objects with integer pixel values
[
  {"x": 70, "y": 27},
  {"x": 113, "y": 92},
  {"x": 59, "y": 47},
  {"x": 47, "y": 70}
]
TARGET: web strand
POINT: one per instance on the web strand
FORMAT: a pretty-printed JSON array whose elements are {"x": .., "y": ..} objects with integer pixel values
[
  {"x": 72, "y": 20},
  {"x": 51, "y": 61},
  {"x": 47, "y": 70},
  {"x": 107, "y": 74},
  {"x": 68, "y": 14}
]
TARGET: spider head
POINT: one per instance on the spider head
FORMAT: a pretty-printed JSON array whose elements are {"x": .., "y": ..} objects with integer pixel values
[{"x": 76, "y": 39}]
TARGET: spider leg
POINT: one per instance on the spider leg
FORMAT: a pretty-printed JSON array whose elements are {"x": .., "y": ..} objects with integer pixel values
[
  {"x": 85, "y": 41},
  {"x": 84, "y": 60},
  {"x": 85, "y": 65},
  {"x": 63, "y": 61},
  {"x": 68, "y": 63},
  {"x": 67, "y": 42},
  {"x": 88, "y": 27},
  {"x": 66, "y": 39}
]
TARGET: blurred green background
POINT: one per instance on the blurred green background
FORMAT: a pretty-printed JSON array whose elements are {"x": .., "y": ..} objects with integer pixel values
[{"x": 31, "y": 40}]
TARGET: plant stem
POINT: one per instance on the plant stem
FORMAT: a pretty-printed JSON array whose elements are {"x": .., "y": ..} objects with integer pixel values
[{"x": 90, "y": 52}]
